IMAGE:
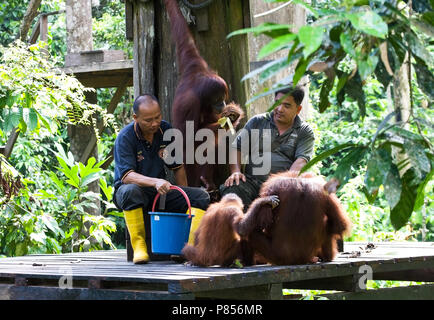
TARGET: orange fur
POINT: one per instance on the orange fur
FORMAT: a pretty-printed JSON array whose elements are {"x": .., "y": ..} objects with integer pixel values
[
  {"x": 305, "y": 225},
  {"x": 216, "y": 242}
]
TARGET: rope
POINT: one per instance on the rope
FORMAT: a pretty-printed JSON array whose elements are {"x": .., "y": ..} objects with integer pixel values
[
  {"x": 272, "y": 10},
  {"x": 196, "y": 6}
]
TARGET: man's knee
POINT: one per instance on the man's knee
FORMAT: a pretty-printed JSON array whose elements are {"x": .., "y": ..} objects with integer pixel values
[
  {"x": 130, "y": 196},
  {"x": 199, "y": 198},
  {"x": 244, "y": 190},
  {"x": 237, "y": 189}
]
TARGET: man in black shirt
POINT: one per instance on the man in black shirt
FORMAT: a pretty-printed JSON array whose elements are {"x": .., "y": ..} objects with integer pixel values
[{"x": 140, "y": 174}]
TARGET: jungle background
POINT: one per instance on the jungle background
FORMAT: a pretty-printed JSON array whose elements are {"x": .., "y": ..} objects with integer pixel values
[{"x": 45, "y": 197}]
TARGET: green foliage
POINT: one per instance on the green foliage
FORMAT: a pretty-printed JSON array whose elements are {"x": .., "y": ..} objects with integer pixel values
[
  {"x": 108, "y": 27},
  {"x": 10, "y": 19},
  {"x": 49, "y": 214},
  {"x": 34, "y": 94},
  {"x": 370, "y": 213},
  {"x": 345, "y": 49},
  {"x": 53, "y": 199}
]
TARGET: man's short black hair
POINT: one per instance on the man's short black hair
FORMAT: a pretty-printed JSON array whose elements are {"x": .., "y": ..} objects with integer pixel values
[
  {"x": 297, "y": 93},
  {"x": 145, "y": 98}
]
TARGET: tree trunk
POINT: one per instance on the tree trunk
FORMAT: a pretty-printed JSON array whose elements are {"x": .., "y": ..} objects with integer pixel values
[
  {"x": 78, "y": 26},
  {"x": 263, "y": 12},
  {"x": 401, "y": 100},
  {"x": 79, "y": 38},
  {"x": 29, "y": 15}
]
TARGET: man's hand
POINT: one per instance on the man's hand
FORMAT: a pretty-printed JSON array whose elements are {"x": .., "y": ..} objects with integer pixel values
[
  {"x": 235, "y": 177},
  {"x": 162, "y": 186}
]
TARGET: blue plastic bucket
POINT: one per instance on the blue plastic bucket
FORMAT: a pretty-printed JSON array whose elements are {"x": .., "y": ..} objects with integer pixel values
[{"x": 170, "y": 230}]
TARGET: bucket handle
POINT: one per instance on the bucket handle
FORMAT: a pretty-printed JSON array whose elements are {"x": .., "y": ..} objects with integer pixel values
[{"x": 182, "y": 192}]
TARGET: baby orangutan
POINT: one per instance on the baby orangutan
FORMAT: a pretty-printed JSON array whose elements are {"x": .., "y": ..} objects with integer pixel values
[{"x": 216, "y": 239}]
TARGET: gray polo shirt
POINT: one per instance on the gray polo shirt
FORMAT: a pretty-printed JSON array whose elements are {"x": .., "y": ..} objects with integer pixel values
[{"x": 265, "y": 143}]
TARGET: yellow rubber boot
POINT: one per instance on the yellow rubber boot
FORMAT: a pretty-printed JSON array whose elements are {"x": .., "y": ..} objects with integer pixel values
[
  {"x": 136, "y": 228},
  {"x": 198, "y": 214}
]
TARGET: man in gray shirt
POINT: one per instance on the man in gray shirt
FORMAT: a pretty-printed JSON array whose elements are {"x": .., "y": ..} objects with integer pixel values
[{"x": 291, "y": 140}]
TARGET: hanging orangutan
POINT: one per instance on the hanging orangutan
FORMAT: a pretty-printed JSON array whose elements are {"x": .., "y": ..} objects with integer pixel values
[{"x": 200, "y": 96}]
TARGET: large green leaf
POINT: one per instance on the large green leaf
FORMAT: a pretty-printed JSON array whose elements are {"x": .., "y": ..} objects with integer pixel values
[
  {"x": 392, "y": 186},
  {"x": 367, "y": 66},
  {"x": 273, "y": 70},
  {"x": 418, "y": 49},
  {"x": 425, "y": 78},
  {"x": 400, "y": 214},
  {"x": 326, "y": 87},
  {"x": 90, "y": 178},
  {"x": 344, "y": 169},
  {"x": 420, "y": 199},
  {"x": 378, "y": 168},
  {"x": 300, "y": 69},
  {"x": 52, "y": 224},
  {"x": 263, "y": 28},
  {"x": 276, "y": 45},
  {"x": 369, "y": 22},
  {"x": 12, "y": 118},
  {"x": 347, "y": 43},
  {"x": 275, "y": 64},
  {"x": 326, "y": 154},
  {"x": 311, "y": 37},
  {"x": 354, "y": 89},
  {"x": 428, "y": 17},
  {"x": 418, "y": 157},
  {"x": 33, "y": 120},
  {"x": 343, "y": 77},
  {"x": 382, "y": 125}
]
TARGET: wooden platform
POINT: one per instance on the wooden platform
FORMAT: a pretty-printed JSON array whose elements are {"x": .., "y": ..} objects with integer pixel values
[
  {"x": 103, "y": 74},
  {"x": 107, "y": 275}
]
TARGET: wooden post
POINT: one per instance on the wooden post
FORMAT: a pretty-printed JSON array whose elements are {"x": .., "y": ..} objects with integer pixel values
[
  {"x": 228, "y": 57},
  {"x": 267, "y": 12},
  {"x": 144, "y": 38},
  {"x": 165, "y": 62},
  {"x": 43, "y": 30},
  {"x": 238, "y": 49},
  {"x": 154, "y": 52},
  {"x": 110, "y": 109}
]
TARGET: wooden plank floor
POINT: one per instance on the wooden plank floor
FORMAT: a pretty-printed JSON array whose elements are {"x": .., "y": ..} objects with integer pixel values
[{"x": 107, "y": 275}]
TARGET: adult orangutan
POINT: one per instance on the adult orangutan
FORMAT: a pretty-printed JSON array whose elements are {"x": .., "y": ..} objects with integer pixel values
[{"x": 200, "y": 94}]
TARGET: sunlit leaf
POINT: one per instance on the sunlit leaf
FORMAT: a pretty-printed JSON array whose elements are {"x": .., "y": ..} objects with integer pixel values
[
  {"x": 311, "y": 37},
  {"x": 400, "y": 214},
  {"x": 369, "y": 22}
]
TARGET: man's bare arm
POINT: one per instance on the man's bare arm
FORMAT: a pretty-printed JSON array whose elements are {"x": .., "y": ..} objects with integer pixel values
[
  {"x": 298, "y": 164},
  {"x": 161, "y": 185}
]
